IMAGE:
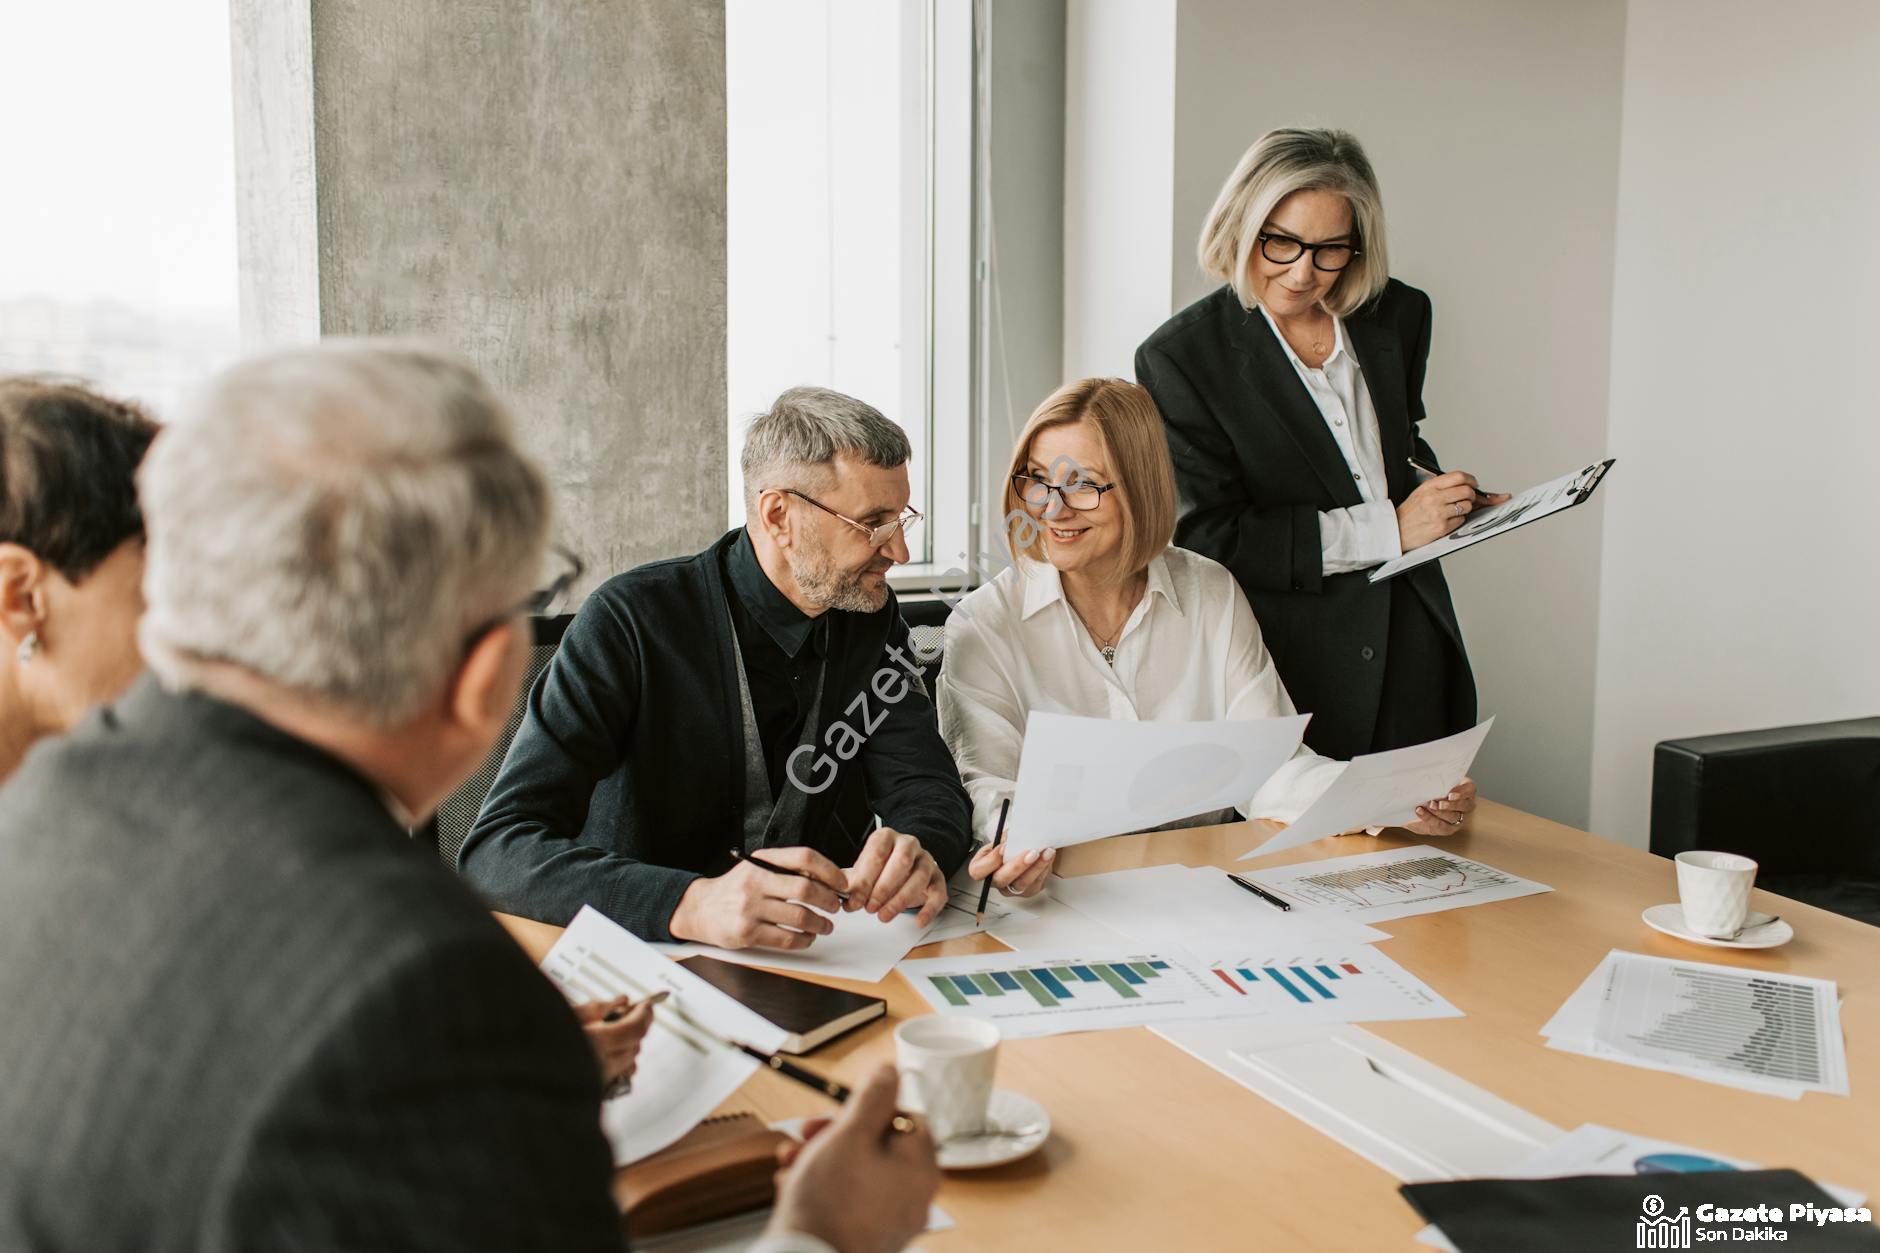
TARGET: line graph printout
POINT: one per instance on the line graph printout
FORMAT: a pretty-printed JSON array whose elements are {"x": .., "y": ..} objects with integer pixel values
[{"x": 1395, "y": 883}]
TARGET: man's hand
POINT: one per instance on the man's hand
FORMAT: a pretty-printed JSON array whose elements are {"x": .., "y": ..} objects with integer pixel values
[
  {"x": 748, "y": 906},
  {"x": 894, "y": 873},
  {"x": 616, "y": 1040},
  {"x": 857, "y": 1184},
  {"x": 1446, "y": 814},
  {"x": 1023, "y": 876}
]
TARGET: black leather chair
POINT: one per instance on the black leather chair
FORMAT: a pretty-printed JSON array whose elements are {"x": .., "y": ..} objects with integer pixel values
[
  {"x": 1803, "y": 801},
  {"x": 454, "y": 818}
]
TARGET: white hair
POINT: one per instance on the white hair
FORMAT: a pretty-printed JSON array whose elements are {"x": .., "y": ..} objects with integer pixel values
[
  {"x": 336, "y": 520},
  {"x": 808, "y": 428}
]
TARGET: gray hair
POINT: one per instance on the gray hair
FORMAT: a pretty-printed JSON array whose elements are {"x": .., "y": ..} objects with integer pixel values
[
  {"x": 807, "y": 429},
  {"x": 335, "y": 520},
  {"x": 1278, "y": 164}
]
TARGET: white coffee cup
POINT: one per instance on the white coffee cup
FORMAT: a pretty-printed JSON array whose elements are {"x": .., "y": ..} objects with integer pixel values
[
  {"x": 1714, "y": 888},
  {"x": 946, "y": 1067}
]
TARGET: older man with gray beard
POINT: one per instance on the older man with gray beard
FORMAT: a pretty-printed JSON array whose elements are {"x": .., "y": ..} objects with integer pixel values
[{"x": 760, "y": 698}]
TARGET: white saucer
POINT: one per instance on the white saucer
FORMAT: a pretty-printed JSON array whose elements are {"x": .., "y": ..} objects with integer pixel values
[
  {"x": 994, "y": 1148},
  {"x": 1670, "y": 920}
]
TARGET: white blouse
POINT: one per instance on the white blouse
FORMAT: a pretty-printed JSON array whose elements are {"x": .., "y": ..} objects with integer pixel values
[{"x": 1190, "y": 651}]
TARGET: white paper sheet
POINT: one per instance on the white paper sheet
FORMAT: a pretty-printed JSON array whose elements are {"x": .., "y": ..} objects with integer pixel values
[
  {"x": 1749, "y": 1029},
  {"x": 682, "y": 1074},
  {"x": 1382, "y": 789},
  {"x": 1393, "y": 883},
  {"x": 1536, "y": 502},
  {"x": 1083, "y": 779},
  {"x": 861, "y": 947},
  {"x": 1079, "y": 990},
  {"x": 957, "y": 919},
  {"x": 1044, "y": 923},
  {"x": 1199, "y": 911}
]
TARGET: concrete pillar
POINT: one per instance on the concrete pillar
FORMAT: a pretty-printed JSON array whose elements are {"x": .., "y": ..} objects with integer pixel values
[{"x": 540, "y": 186}]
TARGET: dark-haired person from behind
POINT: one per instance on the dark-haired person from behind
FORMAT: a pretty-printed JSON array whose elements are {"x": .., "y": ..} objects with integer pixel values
[{"x": 71, "y": 555}]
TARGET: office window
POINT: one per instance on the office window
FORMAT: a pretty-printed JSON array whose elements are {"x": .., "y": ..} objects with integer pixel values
[
  {"x": 849, "y": 228},
  {"x": 118, "y": 219}
]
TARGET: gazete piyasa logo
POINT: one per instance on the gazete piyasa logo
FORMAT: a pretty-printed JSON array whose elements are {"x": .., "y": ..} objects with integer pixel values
[{"x": 1659, "y": 1230}]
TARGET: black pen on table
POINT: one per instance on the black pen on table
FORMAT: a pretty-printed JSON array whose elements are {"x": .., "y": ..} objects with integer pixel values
[
  {"x": 1432, "y": 471},
  {"x": 831, "y": 1088},
  {"x": 761, "y": 864},
  {"x": 1259, "y": 891},
  {"x": 985, "y": 889}
]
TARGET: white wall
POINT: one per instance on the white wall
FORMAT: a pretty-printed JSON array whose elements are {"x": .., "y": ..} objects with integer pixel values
[
  {"x": 1493, "y": 127},
  {"x": 1119, "y": 127},
  {"x": 1741, "y": 578}
]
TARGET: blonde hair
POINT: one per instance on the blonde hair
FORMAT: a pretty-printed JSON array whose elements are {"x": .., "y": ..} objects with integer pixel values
[
  {"x": 1278, "y": 164},
  {"x": 1130, "y": 428}
]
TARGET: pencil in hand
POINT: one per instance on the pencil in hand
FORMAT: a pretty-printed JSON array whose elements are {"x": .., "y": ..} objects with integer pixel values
[{"x": 985, "y": 889}]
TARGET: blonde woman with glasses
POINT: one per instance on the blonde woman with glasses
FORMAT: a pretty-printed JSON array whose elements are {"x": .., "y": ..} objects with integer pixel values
[
  {"x": 1101, "y": 617},
  {"x": 1294, "y": 400}
]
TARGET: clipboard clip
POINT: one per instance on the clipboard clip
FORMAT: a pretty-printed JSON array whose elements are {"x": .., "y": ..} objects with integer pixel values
[{"x": 1588, "y": 479}]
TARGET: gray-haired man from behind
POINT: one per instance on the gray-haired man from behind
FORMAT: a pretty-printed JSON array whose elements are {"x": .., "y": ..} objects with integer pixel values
[{"x": 243, "y": 1010}]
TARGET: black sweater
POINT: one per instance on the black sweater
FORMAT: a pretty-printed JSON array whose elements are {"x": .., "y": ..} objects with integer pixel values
[{"x": 626, "y": 779}]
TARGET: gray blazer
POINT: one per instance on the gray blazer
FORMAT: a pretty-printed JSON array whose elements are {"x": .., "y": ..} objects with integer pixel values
[{"x": 239, "y": 1010}]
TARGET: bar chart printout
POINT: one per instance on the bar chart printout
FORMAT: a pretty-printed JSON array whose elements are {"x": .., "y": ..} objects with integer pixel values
[
  {"x": 1396, "y": 883},
  {"x": 1364, "y": 986},
  {"x": 1701, "y": 1017},
  {"x": 1033, "y": 993}
]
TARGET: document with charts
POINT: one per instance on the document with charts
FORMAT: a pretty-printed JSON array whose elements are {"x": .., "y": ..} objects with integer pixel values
[
  {"x": 683, "y": 1072},
  {"x": 1396, "y": 883},
  {"x": 1382, "y": 789},
  {"x": 1529, "y": 506}
]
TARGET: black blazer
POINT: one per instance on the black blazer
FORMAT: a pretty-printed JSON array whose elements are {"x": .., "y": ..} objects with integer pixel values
[
  {"x": 625, "y": 781},
  {"x": 1255, "y": 466}
]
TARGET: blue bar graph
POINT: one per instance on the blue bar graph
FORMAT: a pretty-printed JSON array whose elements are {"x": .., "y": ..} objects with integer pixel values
[
  {"x": 966, "y": 985},
  {"x": 1280, "y": 979},
  {"x": 1129, "y": 976},
  {"x": 1086, "y": 974},
  {"x": 1158, "y": 965},
  {"x": 1328, "y": 972},
  {"x": 1005, "y": 981},
  {"x": 1306, "y": 978},
  {"x": 1051, "y": 983}
]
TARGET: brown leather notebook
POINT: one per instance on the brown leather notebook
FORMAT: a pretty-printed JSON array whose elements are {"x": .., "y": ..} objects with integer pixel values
[
  {"x": 723, "y": 1167},
  {"x": 812, "y": 1013}
]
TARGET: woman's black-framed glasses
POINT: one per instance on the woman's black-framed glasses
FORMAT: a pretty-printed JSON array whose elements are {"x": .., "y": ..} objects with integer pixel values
[
  {"x": 1080, "y": 494},
  {"x": 1284, "y": 250},
  {"x": 878, "y": 536},
  {"x": 568, "y": 566}
]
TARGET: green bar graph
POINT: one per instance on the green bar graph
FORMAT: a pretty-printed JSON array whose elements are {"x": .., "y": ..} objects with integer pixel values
[
  {"x": 1143, "y": 969},
  {"x": 945, "y": 984},
  {"x": 1108, "y": 975},
  {"x": 987, "y": 985},
  {"x": 1029, "y": 982}
]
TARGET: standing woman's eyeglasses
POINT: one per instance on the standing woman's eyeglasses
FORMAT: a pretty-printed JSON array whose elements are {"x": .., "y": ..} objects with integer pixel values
[{"x": 1284, "y": 250}]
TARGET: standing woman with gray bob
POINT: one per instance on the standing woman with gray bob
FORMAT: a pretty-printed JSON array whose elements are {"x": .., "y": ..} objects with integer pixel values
[{"x": 1293, "y": 399}]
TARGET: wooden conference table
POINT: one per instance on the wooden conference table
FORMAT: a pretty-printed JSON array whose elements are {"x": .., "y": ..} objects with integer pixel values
[{"x": 1153, "y": 1149}]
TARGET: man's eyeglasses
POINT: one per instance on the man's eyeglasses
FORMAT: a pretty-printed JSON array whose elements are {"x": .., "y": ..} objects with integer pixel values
[
  {"x": 878, "y": 536},
  {"x": 1284, "y": 250},
  {"x": 1079, "y": 494},
  {"x": 569, "y": 568}
]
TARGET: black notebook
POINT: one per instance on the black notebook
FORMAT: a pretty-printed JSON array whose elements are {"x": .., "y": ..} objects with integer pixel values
[
  {"x": 1588, "y": 1213},
  {"x": 811, "y": 1013}
]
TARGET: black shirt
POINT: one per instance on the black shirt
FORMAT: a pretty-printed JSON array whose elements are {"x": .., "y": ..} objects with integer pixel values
[{"x": 783, "y": 650}]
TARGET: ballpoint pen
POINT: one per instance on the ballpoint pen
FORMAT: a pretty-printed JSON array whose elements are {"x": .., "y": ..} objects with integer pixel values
[
  {"x": 831, "y": 1088},
  {"x": 1432, "y": 471},
  {"x": 761, "y": 864},
  {"x": 1259, "y": 891}
]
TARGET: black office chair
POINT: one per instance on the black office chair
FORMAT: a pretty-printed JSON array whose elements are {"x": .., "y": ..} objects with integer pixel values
[
  {"x": 454, "y": 818},
  {"x": 1803, "y": 801}
]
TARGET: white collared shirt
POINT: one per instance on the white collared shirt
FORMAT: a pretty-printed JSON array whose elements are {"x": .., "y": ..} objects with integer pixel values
[
  {"x": 1190, "y": 651},
  {"x": 1361, "y": 536}
]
